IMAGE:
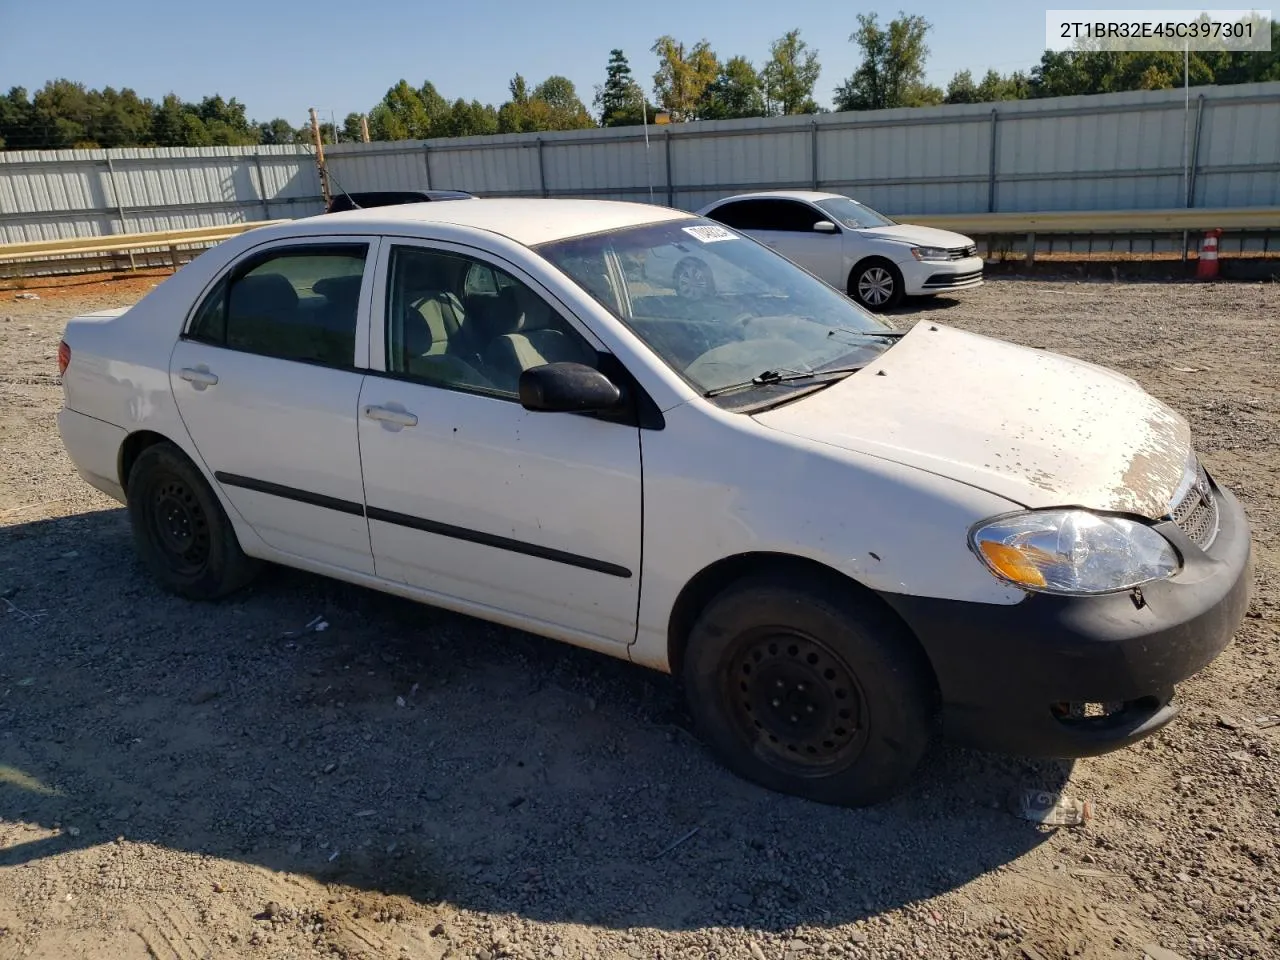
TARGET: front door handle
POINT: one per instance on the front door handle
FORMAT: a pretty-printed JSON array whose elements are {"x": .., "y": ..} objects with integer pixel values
[
  {"x": 400, "y": 418},
  {"x": 198, "y": 377}
]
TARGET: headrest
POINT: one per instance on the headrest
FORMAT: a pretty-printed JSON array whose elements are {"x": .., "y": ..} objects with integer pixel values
[
  {"x": 501, "y": 314},
  {"x": 263, "y": 295},
  {"x": 340, "y": 290}
]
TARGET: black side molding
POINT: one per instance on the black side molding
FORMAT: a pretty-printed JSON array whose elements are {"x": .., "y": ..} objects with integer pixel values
[
  {"x": 291, "y": 493},
  {"x": 418, "y": 523},
  {"x": 501, "y": 543}
]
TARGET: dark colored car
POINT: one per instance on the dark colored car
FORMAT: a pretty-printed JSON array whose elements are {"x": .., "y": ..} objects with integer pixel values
[{"x": 387, "y": 198}]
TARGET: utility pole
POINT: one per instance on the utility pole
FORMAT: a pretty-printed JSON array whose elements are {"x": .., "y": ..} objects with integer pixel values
[
  {"x": 319, "y": 145},
  {"x": 364, "y": 128}
]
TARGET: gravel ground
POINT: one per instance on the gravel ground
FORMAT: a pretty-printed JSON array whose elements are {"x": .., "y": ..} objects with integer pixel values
[{"x": 189, "y": 781}]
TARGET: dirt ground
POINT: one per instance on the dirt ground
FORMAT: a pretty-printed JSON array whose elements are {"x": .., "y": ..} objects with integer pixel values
[{"x": 181, "y": 781}]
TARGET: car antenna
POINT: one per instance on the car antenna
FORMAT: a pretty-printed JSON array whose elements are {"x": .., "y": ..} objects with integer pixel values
[{"x": 354, "y": 205}]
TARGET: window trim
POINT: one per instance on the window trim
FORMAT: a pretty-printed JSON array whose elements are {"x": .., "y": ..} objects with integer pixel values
[{"x": 272, "y": 249}]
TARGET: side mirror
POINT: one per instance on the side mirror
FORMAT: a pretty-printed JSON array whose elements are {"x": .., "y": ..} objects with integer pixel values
[
  {"x": 824, "y": 226},
  {"x": 567, "y": 388}
]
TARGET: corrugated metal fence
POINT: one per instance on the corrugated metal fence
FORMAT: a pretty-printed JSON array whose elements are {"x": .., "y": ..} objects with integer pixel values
[{"x": 1139, "y": 150}]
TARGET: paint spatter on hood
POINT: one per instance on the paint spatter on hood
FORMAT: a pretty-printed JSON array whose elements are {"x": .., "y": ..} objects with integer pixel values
[{"x": 1158, "y": 463}]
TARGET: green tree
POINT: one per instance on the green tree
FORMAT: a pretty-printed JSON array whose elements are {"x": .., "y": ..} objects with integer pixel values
[
  {"x": 567, "y": 112},
  {"x": 683, "y": 76},
  {"x": 17, "y": 120},
  {"x": 790, "y": 74},
  {"x": 351, "y": 131},
  {"x": 892, "y": 70},
  {"x": 737, "y": 92},
  {"x": 620, "y": 100},
  {"x": 962, "y": 89},
  {"x": 471, "y": 119},
  {"x": 401, "y": 114},
  {"x": 279, "y": 131}
]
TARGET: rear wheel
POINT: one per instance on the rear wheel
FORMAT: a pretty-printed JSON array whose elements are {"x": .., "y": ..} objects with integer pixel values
[
  {"x": 806, "y": 690},
  {"x": 180, "y": 529},
  {"x": 876, "y": 284}
]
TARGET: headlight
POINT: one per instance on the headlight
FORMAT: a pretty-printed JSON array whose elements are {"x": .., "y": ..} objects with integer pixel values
[
  {"x": 1073, "y": 552},
  {"x": 930, "y": 253}
]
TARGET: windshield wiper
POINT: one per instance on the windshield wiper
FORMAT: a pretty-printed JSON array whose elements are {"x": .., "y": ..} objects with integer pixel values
[{"x": 769, "y": 377}]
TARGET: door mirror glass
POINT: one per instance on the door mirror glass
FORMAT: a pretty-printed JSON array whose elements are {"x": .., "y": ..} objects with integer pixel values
[
  {"x": 567, "y": 387},
  {"x": 824, "y": 226}
]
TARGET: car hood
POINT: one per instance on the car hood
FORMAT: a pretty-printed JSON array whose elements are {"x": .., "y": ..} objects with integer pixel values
[
  {"x": 1034, "y": 427},
  {"x": 924, "y": 236}
]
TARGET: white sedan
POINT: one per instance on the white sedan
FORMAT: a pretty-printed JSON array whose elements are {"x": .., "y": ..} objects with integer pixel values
[
  {"x": 852, "y": 247},
  {"x": 834, "y": 531}
]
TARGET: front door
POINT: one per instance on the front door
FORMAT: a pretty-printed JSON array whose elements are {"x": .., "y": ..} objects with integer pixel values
[
  {"x": 267, "y": 382},
  {"x": 469, "y": 495}
]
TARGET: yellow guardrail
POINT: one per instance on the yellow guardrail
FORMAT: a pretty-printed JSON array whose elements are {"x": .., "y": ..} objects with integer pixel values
[
  {"x": 124, "y": 242},
  {"x": 1057, "y": 221},
  {"x": 1103, "y": 221}
]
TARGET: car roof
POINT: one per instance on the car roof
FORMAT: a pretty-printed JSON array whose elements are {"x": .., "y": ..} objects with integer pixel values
[
  {"x": 526, "y": 220},
  {"x": 807, "y": 195}
]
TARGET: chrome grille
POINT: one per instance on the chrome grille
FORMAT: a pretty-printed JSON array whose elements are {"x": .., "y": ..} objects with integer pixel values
[
  {"x": 1196, "y": 514},
  {"x": 961, "y": 253}
]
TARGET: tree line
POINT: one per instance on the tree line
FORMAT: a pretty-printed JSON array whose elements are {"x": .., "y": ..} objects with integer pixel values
[{"x": 692, "y": 82}]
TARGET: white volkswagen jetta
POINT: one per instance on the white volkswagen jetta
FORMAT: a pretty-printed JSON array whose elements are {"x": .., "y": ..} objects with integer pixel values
[
  {"x": 833, "y": 530},
  {"x": 874, "y": 259}
]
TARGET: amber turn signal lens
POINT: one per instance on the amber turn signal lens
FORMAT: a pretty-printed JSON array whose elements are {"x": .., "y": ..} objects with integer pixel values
[
  {"x": 1011, "y": 564},
  {"x": 64, "y": 357}
]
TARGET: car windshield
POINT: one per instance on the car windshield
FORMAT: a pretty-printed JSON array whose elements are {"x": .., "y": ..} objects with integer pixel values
[
  {"x": 720, "y": 308},
  {"x": 851, "y": 213}
]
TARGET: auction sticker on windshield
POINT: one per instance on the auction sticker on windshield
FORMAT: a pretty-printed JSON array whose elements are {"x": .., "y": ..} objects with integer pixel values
[{"x": 708, "y": 233}]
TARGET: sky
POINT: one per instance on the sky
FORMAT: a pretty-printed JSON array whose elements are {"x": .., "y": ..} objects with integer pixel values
[{"x": 281, "y": 57}]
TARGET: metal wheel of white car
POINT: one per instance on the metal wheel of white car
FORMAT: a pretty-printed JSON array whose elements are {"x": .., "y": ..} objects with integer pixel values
[
  {"x": 876, "y": 284},
  {"x": 693, "y": 279}
]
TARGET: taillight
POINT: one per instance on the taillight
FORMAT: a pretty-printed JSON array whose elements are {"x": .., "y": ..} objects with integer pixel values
[{"x": 64, "y": 357}]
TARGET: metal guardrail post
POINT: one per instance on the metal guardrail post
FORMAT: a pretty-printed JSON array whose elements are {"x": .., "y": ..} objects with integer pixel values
[
  {"x": 542, "y": 172},
  {"x": 115, "y": 195},
  {"x": 991, "y": 168},
  {"x": 1195, "y": 152},
  {"x": 813, "y": 152},
  {"x": 671, "y": 193},
  {"x": 262, "y": 194}
]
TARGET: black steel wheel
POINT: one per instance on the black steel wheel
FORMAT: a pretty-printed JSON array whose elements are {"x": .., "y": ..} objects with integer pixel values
[
  {"x": 180, "y": 530},
  {"x": 800, "y": 699},
  {"x": 178, "y": 526},
  {"x": 810, "y": 687}
]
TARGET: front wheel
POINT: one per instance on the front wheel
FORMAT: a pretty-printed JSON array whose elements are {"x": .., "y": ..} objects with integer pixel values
[
  {"x": 179, "y": 527},
  {"x": 876, "y": 284},
  {"x": 804, "y": 689}
]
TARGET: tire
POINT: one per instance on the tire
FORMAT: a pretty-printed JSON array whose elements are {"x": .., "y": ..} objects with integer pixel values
[
  {"x": 859, "y": 684},
  {"x": 180, "y": 530},
  {"x": 693, "y": 280},
  {"x": 876, "y": 284}
]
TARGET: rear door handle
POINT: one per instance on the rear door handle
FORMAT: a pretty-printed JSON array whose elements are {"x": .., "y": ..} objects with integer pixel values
[
  {"x": 198, "y": 378},
  {"x": 400, "y": 418}
]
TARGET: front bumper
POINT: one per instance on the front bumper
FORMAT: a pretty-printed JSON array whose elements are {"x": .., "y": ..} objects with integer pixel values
[
  {"x": 921, "y": 277},
  {"x": 1006, "y": 672}
]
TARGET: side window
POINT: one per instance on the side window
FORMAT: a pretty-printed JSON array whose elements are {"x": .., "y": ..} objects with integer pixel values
[
  {"x": 789, "y": 216},
  {"x": 737, "y": 215},
  {"x": 459, "y": 323},
  {"x": 298, "y": 303}
]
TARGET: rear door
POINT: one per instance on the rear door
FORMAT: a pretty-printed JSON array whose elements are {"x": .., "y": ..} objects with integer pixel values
[
  {"x": 787, "y": 226},
  {"x": 267, "y": 379}
]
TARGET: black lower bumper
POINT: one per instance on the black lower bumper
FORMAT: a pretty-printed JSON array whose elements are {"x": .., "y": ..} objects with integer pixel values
[{"x": 1006, "y": 673}]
